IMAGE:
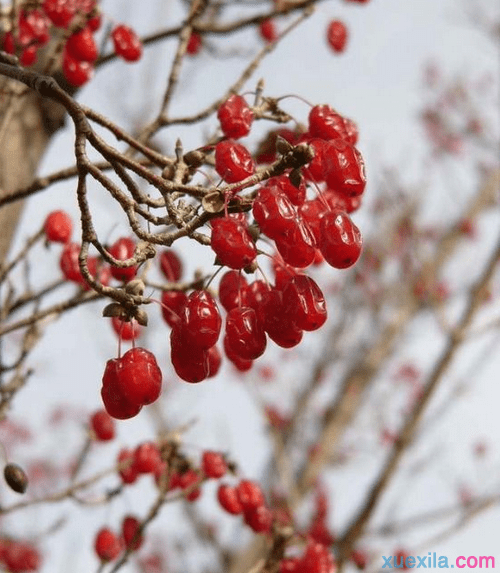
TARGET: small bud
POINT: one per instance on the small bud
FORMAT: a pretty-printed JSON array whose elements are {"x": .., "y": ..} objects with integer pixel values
[
  {"x": 135, "y": 287},
  {"x": 213, "y": 202},
  {"x": 15, "y": 477},
  {"x": 194, "y": 158}
]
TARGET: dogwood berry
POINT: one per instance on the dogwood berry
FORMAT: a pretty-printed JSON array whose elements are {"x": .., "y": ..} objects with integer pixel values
[
  {"x": 127, "y": 45},
  {"x": 235, "y": 117}
]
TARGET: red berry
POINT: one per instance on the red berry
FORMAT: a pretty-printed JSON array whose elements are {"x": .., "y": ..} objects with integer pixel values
[
  {"x": 213, "y": 465},
  {"x": 188, "y": 479},
  {"x": 298, "y": 246},
  {"x": 76, "y": 73},
  {"x": 235, "y": 117},
  {"x": 126, "y": 330},
  {"x": 278, "y": 325},
  {"x": 325, "y": 123},
  {"x": 114, "y": 400},
  {"x": 139, "y": 378},
  {"x": 233, "y": 162},
  {"x": 267, "y": 29},
  {"x": 297, "y": 195},
  {"x": 317, "y": 559},
  {"x": 259, "y": 519},
  {"x": 232, "y": 289},
  {"x": 147, "y": 458},
  {"x": 274, "y": 213},
  {"x": 58, "y": 227},
  {"x": 290, "y": 565},
  {"x": 128, "y": 473},
  {"x": 232, "y": 243},
  {"x": 250, "y": 495},
  {"x": 121, "y": 250},
  {"x": 245, "y": 336},
  {"x": 107, "y": 545},
  {"x": 20, "y": 557},
  {"x": 127, "y": 45},
  {"x": 171, "y": 265},
  {"x": 228, "y": 498},
  {"x": 214, "y": 360},
  {"x": 340, "y": 240},
  {"x": 82, "y": 47},
  {"x": 130, "y": 531},
  {"x": 173, "y": 303},
  {"x": 28, "y": 56},
  {"x": 94, "y": 23},
  {"x": 344, "y": 168},
  {"x": 190, "y": 362},
  {"x": 59, "y": 12},
  {"x": 8, "y": 44},
  {"x": 103, "y": 426},
  {"x": 69, "y": 262},
  {"x": 337, "y": 35},
  {"x": 241, "y": 364},
  {"x": 304, "y": 302},
  {"x": 201, "y": 320},
  {"x": 195, "y": 43}
]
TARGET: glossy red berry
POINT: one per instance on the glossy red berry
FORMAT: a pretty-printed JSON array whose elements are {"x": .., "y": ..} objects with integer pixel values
[
  {"x": 173, "y": 303},
  {"x": 337, "y": 36},
  {"x": 297, "y": 195},
  {"x": 76, "y": 73},
  {"x": 171, "y": 265},
  {"x": 259, "y": 519},
  {"x": 267, "y": 30},
  {"x": 139, "y": 378},
  {"x": 235, "y": 117},
  {"x": 298, "y": 246},
  {"x": 187, "y": 480},
  {"x": 232, "y": 243},
  {"x": 274, "y": 213},
  {"x": 59, "y": 12},
  {"x": 126, "y": 330},
  {"x": 121, "y": 250},
  {"x": 128, "y": 471},
  {"x": 103, "y": 426},
  {"x": 340, "y": 240},
  {"x": 127, "y": 45},
  {"x": 130, "y": 532},
  {"x": 147, "y": 458},
  {"x": 195, "y": 43},
  {"x": 82, "y": 47},
  {"x": 58, "y": 227},
  {"x": 107, "y": 545},
  {"x": 201, "y": 321},
  {"x": 228, "y": 498},
  {"x": 241, "y": 364},
  {"x": 280, "y": 327},
  {"x": 116, "y": 403},
  {"x": 244, "y": 333},
  {"x": 250, "y": 495},
  {"x": 233, "y": 162},
  {"x": 213, "y": 465},
  {"x": 325, "y": 123},
  {"x": 190, "y": 362},
  {"x": 214, "y": 361},
  {"x": 304, "y": 302},
  {"x": 344, "y": 168},
  {"x": 232, "y": 289}
]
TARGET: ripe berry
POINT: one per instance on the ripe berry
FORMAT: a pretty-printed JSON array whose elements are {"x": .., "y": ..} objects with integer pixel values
[
  {"x": 274, "y": 213},
  {"x": 235, "y": 117},
  {"x": 337, "y": 36},
  {"x": 344, "y": 168},
  {"x": 297, "y": 195},
  {"x": 130, "y": 528},
  {"x": 250, "y": 495},
  {"x": 325, "y": 123},
  {"x": 171, "y": 265},
  {"x": 267, "y": 30},
  {"x": 201, "y": 320},
  {"x": 190, "y": 362},
  {"x": 116, "y": 403},
  {"x": 233, "y": 162},
  {"x": 121, "y": 250},
  {"x": 187, "y": 480},
  {"x": 214, "y": 360},
  {"x": 241, "y": 364},
  {"x": 127, "y": 45},
  {"x": 173, "y": 303},
  {"x": 76, "y": 73},
  {"x": 298, "y": 246},
  {"x": 245, "y": 336},
  {"x": 126, "y": 330},
  {"x": 82, "y": 47},
  {"x": 232, "y": 243},
  {"x": 69, "y": 262},
  {"x": 340, "y": 240},
  {"x": 103, "y": 426},
  {"x": 304, "y": 302},
  {"x": 58, "y": 227},
  {"x": 128, "y": 473},
  {"x": 213, "y": 465},
  {"x": 278, "y": 325},
  {"x": 147, "y": 458},
  {"x": 195, "y": 43},
  {"x": 228, "y": 498},
  {"x": 28, "y": 56},
  {"x": 317, "y": 559},
  {"x": 232, "y": 289},
  {"x": 19, "y": 557},
  {"x": 107, "y": 545},
  {"x": 59, "y": 12},
  {"x": 139, "y": 378},
  {"x": 259, "y": 519}
]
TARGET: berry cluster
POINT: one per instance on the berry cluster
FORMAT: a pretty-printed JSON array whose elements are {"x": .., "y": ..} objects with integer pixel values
[
  {"x": 316, "y": 559},
  {"x": 247, "y": 499},
  {"x": 109, "y": 545}
]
